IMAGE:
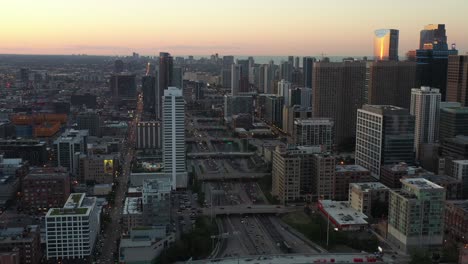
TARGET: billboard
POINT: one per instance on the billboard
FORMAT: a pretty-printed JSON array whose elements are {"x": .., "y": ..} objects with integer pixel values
[{"x": 109, "y": 166}]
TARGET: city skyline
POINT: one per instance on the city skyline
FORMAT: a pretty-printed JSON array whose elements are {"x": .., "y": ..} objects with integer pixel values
[{"x": 207, "y": 27}]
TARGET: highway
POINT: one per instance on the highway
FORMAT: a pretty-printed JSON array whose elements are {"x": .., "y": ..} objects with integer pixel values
[{"x": 112, "y": 233}]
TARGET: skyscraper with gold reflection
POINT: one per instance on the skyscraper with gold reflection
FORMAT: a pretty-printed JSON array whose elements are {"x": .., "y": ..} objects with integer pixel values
[{"x": 386, "y": 44}]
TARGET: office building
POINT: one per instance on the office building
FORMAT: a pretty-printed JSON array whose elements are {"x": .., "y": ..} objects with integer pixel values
[
  {"x": 390, "y": 83},
  {"x": 44, "y": 188},
  {"x": 68, "y": 147},
  {"x": 286, "y": 175},
  {"x": 148, "y": 86},
  {"x": 174, "y": 137},
  {"x": 235, "y": 78},
  {"x": 453, "y": 122},
  {"x": 313, "y": 132},
  {"x": 71, "y": 231},
  {"x": 178, "y": 77},
  {"x": 283, "y": 90},
  {"x": 456, "y": 221},
  {"x": 291, "y": 113},
  {"x": 460, "y": 172},
  {"x": 269, "y": 78},
  {"x": 89, "y": 120},
  {"x": 21, "y": 244},
  {"x": 156, "y": 194},
  {"x": 98, "y": 168},
  {"x": 384, "y": 135},
  {"x": 433, "y": 36},
  {"x": 453, "y": 187},
  {"x": 425, "y": 107},
  {"x": 416, "y": 215},
  {"x": 342, "y": 216},
  {"x": 457, "y": 79},
  {"x": 165, "y": 76},
  {"x": 432, "y": 58},
  {"x": 390, "y": 175},
  {"x": 307, "y": 65},
  {"x": 149, "y": 135},
  {"x": 338, "y": 91},
  {"x": 32, "y": 150},
  {"x": 123, "y": 86},
  {"x": 235, "y": 105},
  {"x": 323, "y": 174},
  {"x": 274, "y": 110},
  {"x": 346, "y": 174},
  {"x": 367, "y": 197},
  {"x": 386, "y": 44},
  {"x": 226, "y": 78},
  {"x": 285, "y": 71},
  {"x": 292, "y": 174}
]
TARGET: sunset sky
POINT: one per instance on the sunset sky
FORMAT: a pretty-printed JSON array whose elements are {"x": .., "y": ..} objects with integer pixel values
[{"x": 238, "y": 27}]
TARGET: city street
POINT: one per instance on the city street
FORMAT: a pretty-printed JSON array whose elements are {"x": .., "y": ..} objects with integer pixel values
[{"x": 111, "y": 235}]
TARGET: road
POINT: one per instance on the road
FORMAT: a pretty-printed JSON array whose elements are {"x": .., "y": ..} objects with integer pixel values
[{"x": 112, "y": 233}]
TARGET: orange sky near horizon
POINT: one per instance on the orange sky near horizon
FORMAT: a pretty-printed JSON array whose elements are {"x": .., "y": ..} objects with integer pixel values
[{"x": 203, "y": 27}]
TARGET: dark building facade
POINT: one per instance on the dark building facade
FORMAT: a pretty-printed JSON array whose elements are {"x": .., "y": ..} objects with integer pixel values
[
  {"x": 148, "y": 86},
  {"x": 453, "y": 122},
  {"x": 338, "y": 92},
  {"x": 31, "y": 150},
  {"x": 390, "y": 83},
  {"x": 457, "y": 79}
]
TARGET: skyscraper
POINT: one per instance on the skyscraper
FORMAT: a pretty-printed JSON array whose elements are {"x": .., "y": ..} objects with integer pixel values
[
  {"x": 415, "y": 214},
  {"x": 165, "y": 76},
  {"x": 307, "y": 64},
  {"x": 123, "y": 86},
  {"x": 433, "y": 37},
  {"x": 425, "y": 107},
  {"x": 386, "y": 44},
  {"x": 384, "y": 135},
  {"x": 457, "y": 79},
  {"x": 286, "y": 70},
  {"x": 453, "y": 122},
  {"x": 283, "y": 90},
  {"x": 178, "y": 77},
  {"x": 174, "y": 137},
  {"x": 390, "y": 83},
  {"x": 338, "y": 91},
  {"x": 235, "y": 78},
  {"x": 148, "y": 86},
  {"x": 432, "y": 58},
  {"x": 313, "y": 132}
]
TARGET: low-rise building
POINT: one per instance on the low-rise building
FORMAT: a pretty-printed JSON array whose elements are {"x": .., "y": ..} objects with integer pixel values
[
  {"x": 71, "y": 231},
  {"x": 368, "y": 197},
  {"x": 22, "y": 244},
  {"x": 44, "y": 188},
  {"x": 456, "y": 220},
  {"x": 346, "y": 174},
  {"x": 98, "y": 168},
  {"x": 143, "y": 245},
  {"x": 342, "y": 215},
  {"x": 132, "y": 213}
]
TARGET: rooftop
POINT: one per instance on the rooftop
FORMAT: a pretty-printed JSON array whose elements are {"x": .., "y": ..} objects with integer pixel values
[
  {"x": 342, "y": 213},
  {"x": 368, "y": 186},
  {"x": 76, "y": 204},
  {"x": 345, "y": 168},
  {"x": 461, "y": 162},
  {"x": 462, "y": 204},
  {"x": 132, "y": 206},
  {"x": 420, "y": 184},
  {"x": 313, "y": 121}
]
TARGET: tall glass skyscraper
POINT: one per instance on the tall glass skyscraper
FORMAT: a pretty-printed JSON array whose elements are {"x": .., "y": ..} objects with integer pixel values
[{"x": 386, "y": 44}]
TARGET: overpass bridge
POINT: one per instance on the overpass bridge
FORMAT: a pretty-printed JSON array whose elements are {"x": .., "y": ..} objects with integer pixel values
[
  {"x": 336, "y": 258},
  {"x": 219, "y": 155},
  {"x": 248, "y": 209},
  {"x": 231, "y": 176}
]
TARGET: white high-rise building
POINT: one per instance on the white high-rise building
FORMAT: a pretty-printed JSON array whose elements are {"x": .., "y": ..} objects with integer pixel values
[
  {"x": 384, "y": 136},
  {"x": 235, "y": 78},
  {"x": 174, "y": 137},
  {"x": 71, "y": 231},
  {"x": 425, "y": 107},
  {"x": 283, "y": 90}
]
